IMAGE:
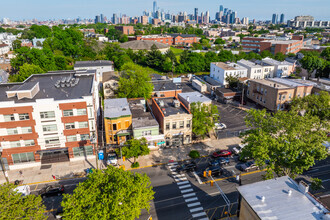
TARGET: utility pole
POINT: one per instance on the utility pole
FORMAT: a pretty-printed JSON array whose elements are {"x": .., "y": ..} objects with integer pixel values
[
  {"x": 93, "y": 141},
  {"x": 3, "y": 166}
]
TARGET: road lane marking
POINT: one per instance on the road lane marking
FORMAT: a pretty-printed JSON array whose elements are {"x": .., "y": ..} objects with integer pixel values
[
  {"x": 191, "y": 199},
  {"x": 197, "y": 177},
  {"x": 186, "y": 190},
  {"x": 196, "y": 209},
  {"x": 312, "y": 171},
  {"x": 208, "y": 218},
  {"x": 180, "y": 179},
  {"x": 184, "y": 182},
  {"x": 36, "y": 187},
  {"x": 198, "y": 214},
  {"x": 179, "y": 175},
  {"x": 325, "y": 180},
  {"x": 172, "y": 164},
  {"x": 193, "y": 204},
  {"x": 185, "y": 186},
  {"x": 189, "y": 195}
]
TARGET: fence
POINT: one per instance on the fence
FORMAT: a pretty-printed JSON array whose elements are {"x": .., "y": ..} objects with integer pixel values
[{"x": 222, "y": 211}]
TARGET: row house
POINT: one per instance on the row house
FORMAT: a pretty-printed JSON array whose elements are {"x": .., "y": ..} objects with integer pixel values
[
  {"x": 48, "y": 118},
  {"x": 219, "y": 71}
]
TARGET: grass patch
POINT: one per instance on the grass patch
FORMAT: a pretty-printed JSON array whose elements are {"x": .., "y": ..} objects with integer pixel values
[{"x": 176, "y": 51}]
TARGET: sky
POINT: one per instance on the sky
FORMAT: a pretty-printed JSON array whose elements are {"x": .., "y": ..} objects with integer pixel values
[{"x": 253, "y": 9}]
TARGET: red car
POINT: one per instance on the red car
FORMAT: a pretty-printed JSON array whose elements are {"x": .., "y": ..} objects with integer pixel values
[{"x": 222, "y": 153}]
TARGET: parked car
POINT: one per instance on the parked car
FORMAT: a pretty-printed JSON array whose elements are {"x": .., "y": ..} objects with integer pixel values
[
  {"x": 215, "y": 170},
  {"x": 220, "y": 126},
  {"x": 237, "y": 150},
  {"x": 248, "y": 166},
  {"x": 219, "y": 162},
  {"x": 222, "y": 153},
  {"x": 112, "y": 159},
  {"x": 52, "y": 190},
  {"x": 24, "y": 190},
  {"x": 187, "y": 166}
]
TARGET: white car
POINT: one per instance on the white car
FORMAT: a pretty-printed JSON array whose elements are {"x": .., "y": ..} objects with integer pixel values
[
  {"x": 24, "y": 190},
  {"x": 239, "y": 148},
  {"x": 220, "y": 126},
  {"x": 112, "y": 159}
]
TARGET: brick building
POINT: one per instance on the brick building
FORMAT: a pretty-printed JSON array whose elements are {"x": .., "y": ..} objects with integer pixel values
[
  {"x": 48, "y": 118},
  {"x": 171, "y": 39},
  {"x": 166, "y": 88},
  {"x": 165, "y": 39},
  {"x": 184, "y": 39},
  {"x": 128, "y": 30}
]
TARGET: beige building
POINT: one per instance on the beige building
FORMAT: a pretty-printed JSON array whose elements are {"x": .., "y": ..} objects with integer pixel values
[{"x": 274, "y": 94}]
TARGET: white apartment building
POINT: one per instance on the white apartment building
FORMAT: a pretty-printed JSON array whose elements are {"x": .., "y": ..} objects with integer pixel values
[
  {"x": 255, "y": 71},
  {"x": 100, "y": 66},
  {"x": 48, "y": 118},
  {"x": 219, "y": 71},
  {"x": 281, "y": 68}
]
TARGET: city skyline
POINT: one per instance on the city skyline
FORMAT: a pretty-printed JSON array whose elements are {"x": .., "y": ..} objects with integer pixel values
[{"x": 73, "y": 9}]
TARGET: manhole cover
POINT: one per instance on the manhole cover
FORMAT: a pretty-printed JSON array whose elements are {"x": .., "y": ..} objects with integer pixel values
[{"x": 44, "y": 167}]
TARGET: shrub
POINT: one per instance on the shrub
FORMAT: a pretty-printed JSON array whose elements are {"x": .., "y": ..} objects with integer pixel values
[
  {"x": 194, "y": 154},
  {"x": 135, "y": 165}
]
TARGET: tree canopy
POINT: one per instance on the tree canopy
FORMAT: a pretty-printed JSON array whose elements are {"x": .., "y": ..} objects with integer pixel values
[
  {"x": 204, "y": 118},
  {"x": 286, "y": 143},
  {"x": 24, "y": 72},
  {"x": 15, "y": 206},
  {"x": 135, "y": 148},
  {"x": 109, "y": 194}
]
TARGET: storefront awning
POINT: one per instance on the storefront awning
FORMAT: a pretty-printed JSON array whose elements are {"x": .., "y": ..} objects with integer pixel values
[{"x": 51, "y": 150}]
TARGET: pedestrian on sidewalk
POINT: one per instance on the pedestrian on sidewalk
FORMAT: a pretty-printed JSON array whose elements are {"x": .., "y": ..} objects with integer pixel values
[
  {"x": 54, "y": 177},
  {"x": 20, "y": 173}
]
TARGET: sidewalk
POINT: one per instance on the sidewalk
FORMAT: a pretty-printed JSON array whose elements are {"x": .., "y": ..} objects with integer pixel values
[{"x": 68, "y": 169}]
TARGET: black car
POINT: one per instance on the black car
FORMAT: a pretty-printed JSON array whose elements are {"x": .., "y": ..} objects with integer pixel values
[
  {"x": 49, "y": 191},
  {"x": 219, "y": 161},
  {"x": 215, "y": 170},
  {"x": 187, "y": 166}
]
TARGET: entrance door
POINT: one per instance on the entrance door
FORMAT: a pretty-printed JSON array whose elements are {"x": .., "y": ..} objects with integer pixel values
[{"x": 55, "y": 157}]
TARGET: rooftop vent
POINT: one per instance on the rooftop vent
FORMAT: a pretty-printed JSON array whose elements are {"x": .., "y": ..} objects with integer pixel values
[
  {"x": 289, "y": 192},
  {"x": 263, "y": 199},
  {"x": 67, "y": 82},
  {"x": 303, "y": 187},
  {"x": 161, "y": 103},
  {"x": 176, "y": 103}
]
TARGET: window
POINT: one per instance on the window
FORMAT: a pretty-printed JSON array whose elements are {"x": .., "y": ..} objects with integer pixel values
[
  {"x": 126, "y": 124},
  {"x": 24, "y": 116},
  {"x": 265, "y": 91},
  {"x": 9, "y": 117},
  {"x": 83, "y": 124},
  {"x": 181, "y": 124},
  {"x": 71, "y": 138},
  {"x": 69, "y": 126},
  {"x": 283, "y": 97},
  {"x": 50, "y": 127},
  {"x": 290, "y": 96},
  {"x": 50, "y": 114},
  {"x": 114, "y": 127},
  {"x": 29, "y": 143},
  {"x": 119, "y": 125},
  {"x": 298, "y": 95},
  {"x": 146, "y": 133},
  {"x": 52, "y": 140},
  {"x": 174, "y": 125},
  {"x": 167, "y": 126},
  {"x": 11, "y": 131},
  {"x": 188, "y": 124},
  {"x": 82, "y": 151},
  {"x": 23, "y": 157},
  {"x": 67, "y": 113},
  {"x": 81, "y": 111},
  {"x": 26, "y": 130},
  {"x": 279, "y": 97},
  {"x": 262, "y": 90},
  {"x": 15, "y": 144},
  {"x": 258, "y": 88},
  {"x": 84, "y": 137}
]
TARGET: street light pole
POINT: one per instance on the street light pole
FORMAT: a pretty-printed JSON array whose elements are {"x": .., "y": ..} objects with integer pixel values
[{"x": 95, "y": 150}]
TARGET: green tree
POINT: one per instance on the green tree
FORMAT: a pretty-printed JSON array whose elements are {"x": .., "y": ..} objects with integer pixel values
[
  {"x": 135, "y": 148},
  {"x": 226, "y": 55},
  {"x": 24, "y": 72},
  {"x": 326, "y": 53},
  {"x": 289, "y": 143},
  {"x": 15, "y": 206},
  {"x": 219, "y": 41},
  {"x": 17, "y": 44},
  {"x": 155, "y": 58},
  {"x": 312, "y": 63},
  {"x": 279, "y": 56},
  {"x": 109, "y": 194},
  {"x": 204, "y": 118},
  {"x": 232, "y": 81},
  {"x": 134, "y": 82},
  {"x": 266, "y": 53}
]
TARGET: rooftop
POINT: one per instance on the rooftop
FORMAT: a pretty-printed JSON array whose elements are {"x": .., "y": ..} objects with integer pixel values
[
  {"x": 292, "y": 82},
  {"x": 140, "y": 117},
  {"x": 212, "y": 81},
  {"x": 80, "y": 64},
  {"x": 143, "y": 45},
  {"x": 167, "y": 106},
  {"x": 269, "y": 83},
  {"x": 166, "y": 85},
  {"x": 115, "y": 108},
  {"x": 282, "y": 200},
  {"x": 191, "y": 97},
  {"x": 282, "y": 41},
  {"x": 237, "y": 66},
  {"x": 249, "y": 64},
  {"x": 183, "y": 35},
  {"x": 224, "y": 66},
  {"x": 276, "y": 62},
  {"x": 47, "y": 89}
]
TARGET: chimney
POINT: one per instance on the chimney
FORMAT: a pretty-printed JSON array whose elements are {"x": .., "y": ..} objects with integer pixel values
[
  {"x": 263, "y": 199},
  {"x": 274, "y": 85},
  {"x": 303, "y": 187}
]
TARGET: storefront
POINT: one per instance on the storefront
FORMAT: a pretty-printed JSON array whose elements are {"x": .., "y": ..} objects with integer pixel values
[
  {"x": 54, "y": 155},
  {"x": 155, "y": 141}
]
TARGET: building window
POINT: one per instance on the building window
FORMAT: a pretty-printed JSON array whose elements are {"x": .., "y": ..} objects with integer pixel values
[
  {"x": 29, "y": 143},
  {"x": 26, "y": 130},
  {"x": 15, "y": 144},
  {"x": 82, "y": 151},
  {"x": 52, "y": 140},
  {"x": 279, "y": 97},
  {"x": 167, "y": 126},
  {"x": 81, "y": 111},
  {"x": 248, "y": 92},
  {"x": 84, "y": 137},
  {"x": 119, "y": 125},
  {"x": 265, "y": 91},
  {"x": 146, "y": 133},
  {"x": 283, "y": 97},
  {"x": 188, "y": 124},
  {"x": 50, "y": 127},
  {"x": 71, "y": 138},
  {"x": 69, "y": 126},
  {"x": 298, "y": 95},
  {"x": 114, "y": 127},
  {"x": 67, "y": 113},
  {"x": 262, "y": 91},
  {"x": 174, "y": 125},
  {"x": 188, "y": 139},
  {"x": 181, "y": 124},
  {"x": 9, "y": 117},
  {"x": 12, "y": 131},
  {"x": 23, "y": 157},
  {"x": 50, "y": 114},
  {"x": 83, "y": 124},
  {"x": 24, "y": 116},
  {"x": 127, "y": 124}
]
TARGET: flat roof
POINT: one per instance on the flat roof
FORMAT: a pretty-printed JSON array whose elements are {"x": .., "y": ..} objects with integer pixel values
[
  {"x": 237, "y": 66},
  {"x": 278, "y": 204},
  {"x": 168, "y": 107},
  {"x": 224, "y": 66},
  {"x": 290, "y": 82},
  {"x": 93, "y": 63},
  {"x": 140, "y": 117},
  {"x": 211, "y": 81},
  {"x": 276, "y": 62},
  {"x": 47, "y": 89},
  {"x": 249, "y": 63},
  {"x": 282, "y": 41},
  {"x": 194, "y": 97},
  {"x": 269, "y": 83},
  {"x": 114, "y": 108},
  {"x": 166, "y": 85}
]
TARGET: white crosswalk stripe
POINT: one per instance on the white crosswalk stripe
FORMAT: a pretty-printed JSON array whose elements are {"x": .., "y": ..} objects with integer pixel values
[
  {"x": 184, "y": 182},
  {"x": 186, "y": 190},
  {"x": 180, "y": 179},
  {"x": 204, "y": 218},
  {"x": 193, "y": 204},
  {"x": 196, "y": 209},
  {"x": 189, "y": 195},
  {"x": 185, "y": 186},
  {"x": 179, "y": 175},
  {"x": 172, "y": 163},
  {"x": 198, "y": 214},
  {"x": 191, "y": 199}
]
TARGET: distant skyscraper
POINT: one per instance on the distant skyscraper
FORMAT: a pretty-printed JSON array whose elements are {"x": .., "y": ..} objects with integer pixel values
[
  {"x": 207, "y": 16},
  {"x": 233, "y": 17},
  {"x": 196, "y": 15},
  {"x": 97, "y": 19},
  {"x": 225, "y": 11},
  {"x": 102, "y": 18},
  {"x": 202, "y": 17},
  {"x": 245, "y": 20},
  {"x": 114, "y": 19},
  {"x": 282, "y": 19},
  {"x": 154, "y": 8},
  {"x": 275, "y": 19},
  {"x": 221, "y": 8}
]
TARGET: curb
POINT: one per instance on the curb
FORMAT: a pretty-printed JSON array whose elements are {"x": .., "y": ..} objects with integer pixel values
[{"x": 49, "y": 181}]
